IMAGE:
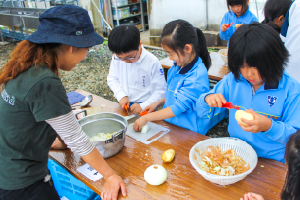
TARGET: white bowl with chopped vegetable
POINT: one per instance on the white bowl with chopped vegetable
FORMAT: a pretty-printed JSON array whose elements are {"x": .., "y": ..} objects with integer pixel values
[
  {"x": 223, "y": 161},
  {"x": 107, "y": 131},
  {"x": 224, "y": 55}
]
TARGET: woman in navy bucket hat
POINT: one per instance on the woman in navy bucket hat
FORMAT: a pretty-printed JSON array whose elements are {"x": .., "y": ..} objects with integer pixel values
[{"x": 35, "y": 113}]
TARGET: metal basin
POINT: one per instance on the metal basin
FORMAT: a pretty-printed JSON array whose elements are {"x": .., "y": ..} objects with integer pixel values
[
  {"x": 10, "y": 19},
  {"x": 106, "y": 123},
  {"x": 31, "y": 20}
]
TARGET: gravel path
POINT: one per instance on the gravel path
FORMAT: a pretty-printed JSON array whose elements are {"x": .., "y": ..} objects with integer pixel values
[{"x": 90, "y": 75}]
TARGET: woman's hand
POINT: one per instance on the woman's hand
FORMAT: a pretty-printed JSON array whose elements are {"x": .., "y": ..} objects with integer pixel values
[
  {"x": 136, "y": 108},
  {"x": 259, "y": 124},
  {"x": 58, "y": 144},
  {"x": 224, "y": 27},
  {"x": 252, "y": 196},
  {"x": 112, "y": 186},
  {"x": 139, "y": 123},
  {"x": 123, "y": 102},
  {"x": 215, "y": 100}
]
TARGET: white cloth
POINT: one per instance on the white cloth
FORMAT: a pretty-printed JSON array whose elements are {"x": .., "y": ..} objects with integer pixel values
[
  {"x": 142, "y": 81},
  {"x": 292, "y": 41}
]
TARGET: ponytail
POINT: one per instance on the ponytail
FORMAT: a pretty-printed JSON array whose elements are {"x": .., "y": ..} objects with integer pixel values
[{"x": 201, "y": 49}]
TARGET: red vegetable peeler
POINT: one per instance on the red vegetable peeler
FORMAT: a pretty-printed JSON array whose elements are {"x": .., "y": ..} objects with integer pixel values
[
  {"x": 227, "y": 26},
  {"x": 126, "y": 108},
  {"x": 229, "y": 105}
]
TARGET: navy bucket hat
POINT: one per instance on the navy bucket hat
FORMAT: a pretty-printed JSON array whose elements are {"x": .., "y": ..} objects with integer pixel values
[{"x": 67, "y": 24}]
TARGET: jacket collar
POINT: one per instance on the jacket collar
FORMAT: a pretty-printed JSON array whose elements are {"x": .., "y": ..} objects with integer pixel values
[
  {"x": 142, "y": 56},
  {"x": 189, "y": 66}
]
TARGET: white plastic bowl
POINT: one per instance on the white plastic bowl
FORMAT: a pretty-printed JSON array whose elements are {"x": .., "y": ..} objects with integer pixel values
[
  {"x": 242, "y": 149},
  {"x": 224, "y": 55}
]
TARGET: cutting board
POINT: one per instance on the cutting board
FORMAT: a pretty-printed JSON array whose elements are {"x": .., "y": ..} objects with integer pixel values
[{"x": 155, "y": 129}]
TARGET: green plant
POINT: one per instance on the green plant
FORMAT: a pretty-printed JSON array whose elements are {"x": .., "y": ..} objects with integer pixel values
[
  {"x": 213, "y": 49},
  {"x": 105, "y": 42}
]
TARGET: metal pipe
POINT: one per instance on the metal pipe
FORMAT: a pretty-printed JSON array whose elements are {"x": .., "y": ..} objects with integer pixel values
[
  {"x": 101, "y": 14},
  {"x": 206, "y": 16},
  {"x": 256, "y": 9}
]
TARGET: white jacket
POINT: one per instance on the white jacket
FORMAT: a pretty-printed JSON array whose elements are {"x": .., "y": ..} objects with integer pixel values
[
  {"x": 142, "y": 82},
  {"x": 292, "y": 41}
]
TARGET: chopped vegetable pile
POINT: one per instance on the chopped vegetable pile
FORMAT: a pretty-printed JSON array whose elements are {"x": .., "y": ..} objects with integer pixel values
[
  {"x": 101, "y": 137},
  {"x": 223, "y": 163}
]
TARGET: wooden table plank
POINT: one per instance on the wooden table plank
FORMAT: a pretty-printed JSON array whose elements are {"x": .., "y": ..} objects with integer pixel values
[
  {"x": 183, "y": 182},
  {"x": 217, "y": 70}
]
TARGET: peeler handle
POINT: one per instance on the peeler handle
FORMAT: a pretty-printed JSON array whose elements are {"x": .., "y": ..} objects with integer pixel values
[{"x": 145, "y": 112}]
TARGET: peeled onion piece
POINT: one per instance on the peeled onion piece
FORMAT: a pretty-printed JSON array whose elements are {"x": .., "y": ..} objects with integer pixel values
[
  {"x": 145, "y": 128},
  {"x": 155, "y": 175}
]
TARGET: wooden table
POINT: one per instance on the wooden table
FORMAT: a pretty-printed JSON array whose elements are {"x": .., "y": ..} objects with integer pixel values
[
  {"x": 183, "y": 182},
  {"x": 217, "y": 70}
]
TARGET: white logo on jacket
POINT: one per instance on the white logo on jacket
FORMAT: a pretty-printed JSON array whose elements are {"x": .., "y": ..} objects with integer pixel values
[
  {"x": 272, "y": 100},
  {"x": 6, "y": 98}
]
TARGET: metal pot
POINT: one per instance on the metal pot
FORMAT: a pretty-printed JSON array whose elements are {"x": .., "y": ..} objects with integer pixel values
[{"x": 106, "y": 123}]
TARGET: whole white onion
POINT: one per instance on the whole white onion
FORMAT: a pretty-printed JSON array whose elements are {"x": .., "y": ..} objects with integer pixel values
[{"x": 155, "y": 175}]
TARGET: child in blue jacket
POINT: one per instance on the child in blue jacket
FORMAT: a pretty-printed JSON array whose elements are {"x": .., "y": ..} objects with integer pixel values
[
  {"x": 237, "y": 15},
  {"x": 258, "y": 84},
  {"x": 187, "y": 79}
]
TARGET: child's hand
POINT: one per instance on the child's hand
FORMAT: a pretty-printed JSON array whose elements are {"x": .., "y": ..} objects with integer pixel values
[
  {"x": 215, "y": 100},
  {"x": 123, "y": 102},
  {"x": 252, "y": 196},
  {"x": 136, "y": 108},
  {"x": 238, "y": 25},
  {"x": 139, "y": 123},
  {"x": 152, "y": 107},
  {"x": 224, "y": 27},
  {"x": 259, "y": 124}
]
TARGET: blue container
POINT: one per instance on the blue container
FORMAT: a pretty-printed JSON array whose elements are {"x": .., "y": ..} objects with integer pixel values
[{"x": 68, "y": 186}]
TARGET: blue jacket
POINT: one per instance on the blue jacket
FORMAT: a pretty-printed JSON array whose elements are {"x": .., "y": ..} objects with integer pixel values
[
  {"x": 280, "y": 103},
  {"x": 184, "y": 86},
  {"x": 230, "y": 17}
]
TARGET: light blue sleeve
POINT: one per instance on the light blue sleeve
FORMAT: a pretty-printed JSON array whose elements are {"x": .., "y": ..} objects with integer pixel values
[
  {"x": 203, "y": 109},
  {"x": 187, "y": 95},
  {"x": 225, "y": 35},
  {"x": 280, "y": 131},
  {"x": 254, "y": 19}
]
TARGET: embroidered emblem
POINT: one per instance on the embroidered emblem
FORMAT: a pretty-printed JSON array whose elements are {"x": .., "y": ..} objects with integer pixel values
[
  {"x": 272, "y": 100},
  {"x": 79, "y": 33},
  {"x": 144, "y": 81},
  {"x": 161, "y": 71}
]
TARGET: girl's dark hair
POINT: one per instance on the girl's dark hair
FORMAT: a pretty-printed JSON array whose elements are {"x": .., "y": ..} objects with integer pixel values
[
  {"x": 27, "y": 54},
  {"x": 275, "y": 8},
  {"x": 291, "y": 188},
  {"x": 259, "y": 46},
  {"x": 244, "y": 4},
  {"x": 178, "y": 33},
  {"x": 123, "y": 39}
]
